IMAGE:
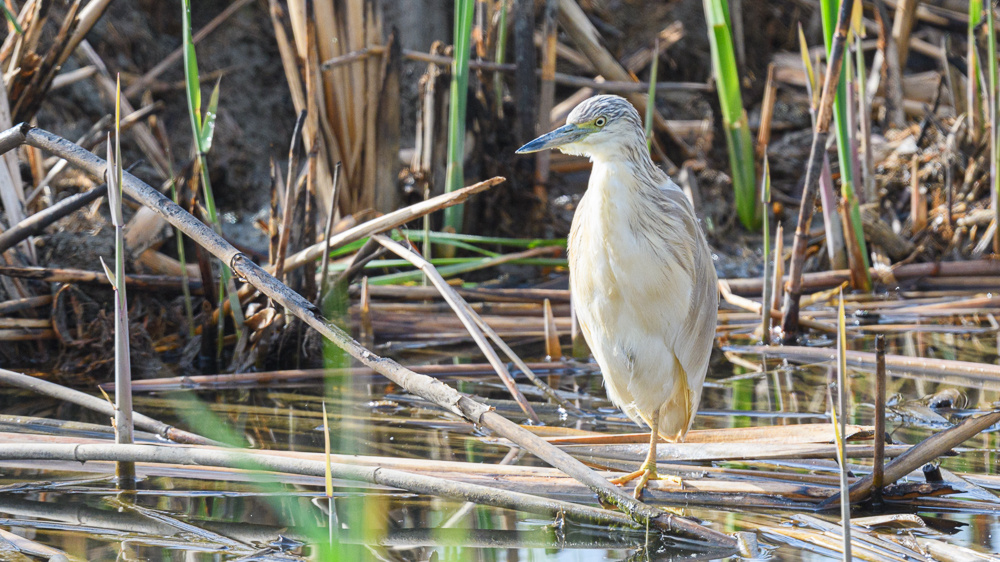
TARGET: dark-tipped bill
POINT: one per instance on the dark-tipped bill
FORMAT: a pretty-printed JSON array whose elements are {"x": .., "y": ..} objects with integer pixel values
[{"x": 561, "y": 136}]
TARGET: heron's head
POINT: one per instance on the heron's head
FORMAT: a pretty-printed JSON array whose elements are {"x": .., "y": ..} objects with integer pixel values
[{"x": 601, "y": 127}]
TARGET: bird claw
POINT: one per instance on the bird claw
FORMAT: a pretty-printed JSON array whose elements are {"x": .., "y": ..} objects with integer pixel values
[{"x": 645, "y": 473}]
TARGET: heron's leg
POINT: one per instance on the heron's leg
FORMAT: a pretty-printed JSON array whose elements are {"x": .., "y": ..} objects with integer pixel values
[{"x": 647, "y": 471}]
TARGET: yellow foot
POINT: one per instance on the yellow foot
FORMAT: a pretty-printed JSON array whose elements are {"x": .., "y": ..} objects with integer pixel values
[{"x": 645, "y": 473}]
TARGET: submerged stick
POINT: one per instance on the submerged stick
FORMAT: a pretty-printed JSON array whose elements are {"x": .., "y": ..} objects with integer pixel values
[
  {"x": 101, "y": 406},
  {"x": 425, "y": 387}
]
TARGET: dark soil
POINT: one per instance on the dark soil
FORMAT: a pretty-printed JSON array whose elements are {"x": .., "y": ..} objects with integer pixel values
[{"x": 255, "y": 112}]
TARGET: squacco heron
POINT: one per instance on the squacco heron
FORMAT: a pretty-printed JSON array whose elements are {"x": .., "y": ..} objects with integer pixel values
[{"x": 641, "y": 274}]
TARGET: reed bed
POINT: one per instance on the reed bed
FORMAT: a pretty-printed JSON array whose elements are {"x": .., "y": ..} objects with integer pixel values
[{"x": 387, "y": 375}]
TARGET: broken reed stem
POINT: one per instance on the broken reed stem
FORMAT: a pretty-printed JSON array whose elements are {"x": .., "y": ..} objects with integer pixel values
[
  {"x": 325, "y": 262},
  {"x": 878, "y": 462},
  {"x": 465, "y": 314},
  {"x": 765, "y": 196},
  {"x": 123, "y": 424},
  {"x": 37, "y": 222},
  {"x": 790, "y": 310},
  {"x": 530, "y": 374},
  {"x": 100, "y": 406},
  {"x": 922, "y": 453},
  {"x": 192, "y": 382},
  {"x": 387, "y": 222},
  {"x": 866, "y": 360},
  {"x": 425, "y": 387},
  {"x": 278, "y": 267}
]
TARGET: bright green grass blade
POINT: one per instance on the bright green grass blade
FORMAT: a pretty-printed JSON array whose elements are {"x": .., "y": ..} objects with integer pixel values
[
  {"x": 765, "y": 197},
  {"x": 208, "y": 123},
  {"x": 456, "y": 113},
  {"x": 191, "y": 74},
  {"x": 12, "y": 19},
  {"x": 734, "y": 120}
]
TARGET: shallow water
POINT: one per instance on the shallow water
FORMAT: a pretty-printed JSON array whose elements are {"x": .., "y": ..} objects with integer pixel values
[{"x": 202, "y": 514}]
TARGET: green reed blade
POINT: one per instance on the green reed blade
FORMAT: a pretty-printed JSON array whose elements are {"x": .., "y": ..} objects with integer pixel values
[{"x": 456, "y": 110}]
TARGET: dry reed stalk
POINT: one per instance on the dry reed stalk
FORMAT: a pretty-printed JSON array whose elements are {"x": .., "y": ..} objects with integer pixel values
[
  {"x": 902, "y": 26},
  {"x": 342, "y": 100},
  {"x": 388, "y": 222},
  {"x": 790, "y": 309},
  {"x": 141, "y": 132},
  {"x": 866, "y": 360},
  {"x": 918, "y": 200},
  {"x": 99, "y": 405},
  {"x": 546, "y": 96},
  {"x": 325, "y": 262},
  {"x": 292, "y": 375},
  {"x": 924, "y": 452},
  {"x": 375, "y": 475},
  {"x": 18, "y": 305},
  {"x": 757, "y": 308},
  {"x": 707, "y": 452},
  {"x": 63, "y": 275},
  {"x": 552, "y": 347},
  {"x": 789, "y": 434},
  {"x": 27, "y": 334},
  {"x": 37, "y": 222},
  {"x": 433, "y": 390},
  {"x": 777, "y": 288},
  {"x": 878, "y": 457},
  {"x": 12, "y": 191},
  {"x": 287, "y": 196},
  {"x": 465, "y": 314}
]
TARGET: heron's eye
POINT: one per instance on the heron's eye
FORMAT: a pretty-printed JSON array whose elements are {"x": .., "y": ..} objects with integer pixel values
[{"x": 600, "y": 121}]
